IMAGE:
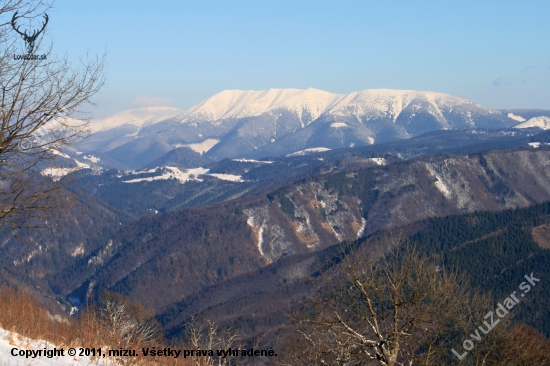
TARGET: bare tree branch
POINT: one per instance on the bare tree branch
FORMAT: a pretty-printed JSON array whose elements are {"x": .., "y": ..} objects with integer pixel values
[
  {"x": 393, "y": 309},
  {"x": 38, "y": 99}
]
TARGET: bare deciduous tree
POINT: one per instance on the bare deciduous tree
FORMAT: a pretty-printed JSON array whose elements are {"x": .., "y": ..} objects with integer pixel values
[
  {"x": 129, "y": 323},
  {"x": 207, "y": 336},
  {"x": 38, "y": 100},
  {"x": 521, "y": 346},
  {"x": 398, "y": 309}
]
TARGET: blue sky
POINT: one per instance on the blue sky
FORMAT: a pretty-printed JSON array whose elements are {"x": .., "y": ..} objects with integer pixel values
[{"x": 496, "y": 53}]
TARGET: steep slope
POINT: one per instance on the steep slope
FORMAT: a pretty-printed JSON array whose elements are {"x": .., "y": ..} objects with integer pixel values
[
  {"x": 29, "y": 256},
  {"x": 496, "y": 249},
  {"x": 279, "y": 122},
  {"x": 191, "y": 249}
]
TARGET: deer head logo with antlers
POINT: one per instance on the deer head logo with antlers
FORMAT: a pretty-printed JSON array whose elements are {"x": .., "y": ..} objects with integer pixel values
[{"x": 29, "y": 39}]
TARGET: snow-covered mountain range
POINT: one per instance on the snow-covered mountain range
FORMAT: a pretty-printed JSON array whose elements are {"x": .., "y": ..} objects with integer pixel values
[{"x": 278, "y": 122}]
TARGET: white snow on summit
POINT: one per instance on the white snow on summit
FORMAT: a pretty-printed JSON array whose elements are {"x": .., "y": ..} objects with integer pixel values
[
  {"x": 237, "y": 123},
  {"x": 247, "y": 103},
  {"x": 311, "y": 103},
  {"x": 542, "y": 122},
  {"x": 390, "y": 102},
  {"x": 138, "y": 117}
]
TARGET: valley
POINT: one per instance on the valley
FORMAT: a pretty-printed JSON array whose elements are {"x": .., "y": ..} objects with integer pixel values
[{"x": 241, "y": 239}]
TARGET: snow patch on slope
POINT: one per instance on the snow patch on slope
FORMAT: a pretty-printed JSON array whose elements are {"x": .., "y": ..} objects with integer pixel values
[
  {"x": 338, "y": 125},
  {"x": 362, "y": 229},
  {"x": 253, "y": 161},
  {"x": 171, "y": 172},
  {"x": 57, "y": 173},
  {"x": 438, "y": 183},
  {"x": 56, "y": 152},
  {"x": 81, "y": 165},
  {"x": 271, "y": 240},
  {"x": 92, "y": 158},
  {"x": 542, "y": 122},
  {"x": 454, "y": 181},
  {"x": 309, "y": 151},
  {"x": 378, "y": 161},
  {"x": 229, "y": 177},
  {"x": 137, "y": 117},
  {"x": 516, "y": 118},
  {"x": 201, "y": 147}
]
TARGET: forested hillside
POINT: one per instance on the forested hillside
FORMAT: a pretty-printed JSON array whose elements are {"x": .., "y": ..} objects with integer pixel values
[
  {"x": 495, "y": 250},
  {"x": 191, "y": 249},
  {"x": 246, "y": 262}
]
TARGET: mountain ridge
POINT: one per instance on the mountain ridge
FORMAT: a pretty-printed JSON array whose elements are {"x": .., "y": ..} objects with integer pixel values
[
  {"x": 137, "y": 117},
  {"x": 277, "y": 122},
  {"x": 193, "y": 248}
]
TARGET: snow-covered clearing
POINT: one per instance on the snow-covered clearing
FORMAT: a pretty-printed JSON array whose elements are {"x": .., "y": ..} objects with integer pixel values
[
  {"x": 309, "y": 151},
  {"x": 542, "y": 122},
  {"x": 338, "y": 125},
  {"x": 201, "y": 147},
  {"x": 171, "y": 172},
  {"x": 230, "y": 177},
  {"x": 14, "y": 343},
  {"x": 252, "y": 161}
]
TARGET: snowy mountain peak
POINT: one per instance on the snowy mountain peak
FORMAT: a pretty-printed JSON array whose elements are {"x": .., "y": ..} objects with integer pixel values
[
  {"x": 138, "y": 117},
  {"x": 540, "y": 122},
  {"x": 390, "y": 102},
  {"x": 230, "y": 104},
  {"x": 277, "y": 122},
  {"x": 307, "y": 104},
  {"x": 247, "y": 103}
]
